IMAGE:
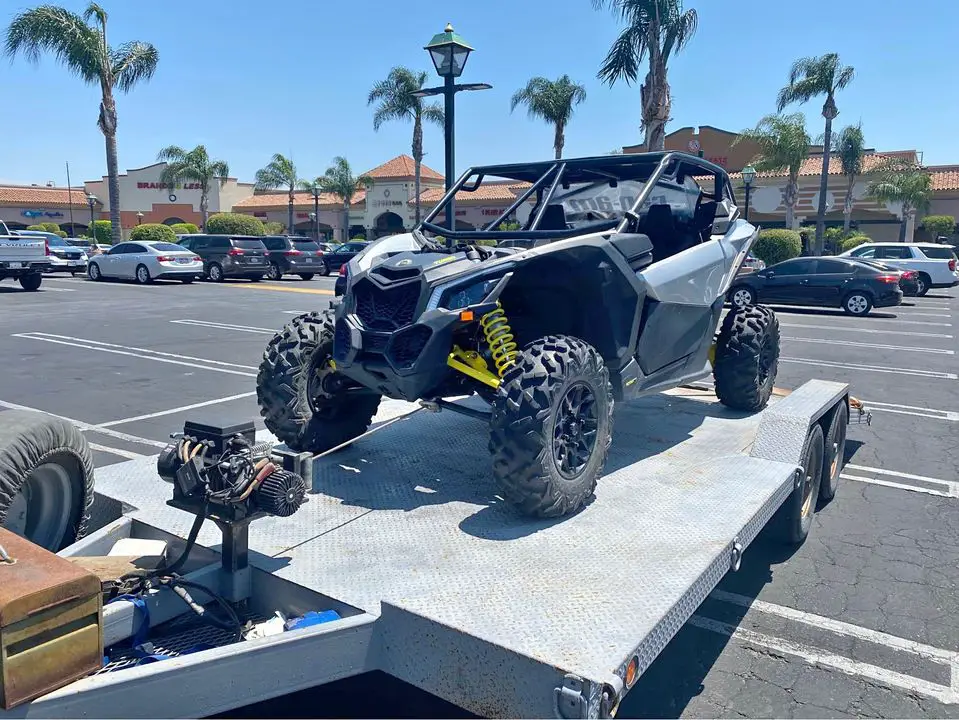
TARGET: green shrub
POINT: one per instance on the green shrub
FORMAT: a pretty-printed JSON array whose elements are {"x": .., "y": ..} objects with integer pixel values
[
  {"x": 853, "y": 240},
  {"x": 937, "y": 225},
  {"x": 775, "y": 245},
  {"x": 153, "y": 232},
  {"x": 36, "y": 227},
  {"x": 359, "y": 238},
  {"x": 234, "y": 224},
  {"x": 51, "y": 227},
  {"x": 103, "y": 232},
  {"x": 273, "y": 228},
  {"x": 184, "y": 229},
  {"x": 486, "y": 241}
]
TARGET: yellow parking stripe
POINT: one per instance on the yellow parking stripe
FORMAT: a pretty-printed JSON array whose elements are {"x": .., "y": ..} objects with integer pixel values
[{"x": 277, "y": 288}]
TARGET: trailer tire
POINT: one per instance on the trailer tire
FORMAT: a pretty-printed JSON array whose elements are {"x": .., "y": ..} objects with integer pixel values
[
  {"x": 46, "y": 478},
  {"x": 793, "y": 520},
  {"x": 290, "y": 389},
  {"x": 747, "y": 357},
  {"x": 557, "y": 389},
  {"x": 834, "y": 452}
]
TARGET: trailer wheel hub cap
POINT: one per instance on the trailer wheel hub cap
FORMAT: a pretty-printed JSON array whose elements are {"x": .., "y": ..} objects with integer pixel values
[{"x": 574, "y": 430}]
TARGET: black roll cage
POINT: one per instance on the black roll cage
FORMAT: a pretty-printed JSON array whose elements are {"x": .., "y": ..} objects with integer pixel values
[{"x": 600, "y": 168}]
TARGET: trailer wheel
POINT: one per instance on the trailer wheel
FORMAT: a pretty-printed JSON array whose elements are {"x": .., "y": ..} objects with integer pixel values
[
  {"x": 46, "y": 479},
  {"x": 551, "y": 426},
  {"x": 747, "y": 357},
  {"x": 834, "y": 454},
  {"x": 296, "y": 391},
  {"x": 794, "y": 519}
]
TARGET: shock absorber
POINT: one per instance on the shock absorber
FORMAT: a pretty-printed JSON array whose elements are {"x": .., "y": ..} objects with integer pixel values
[{"x": 499, "y": 337}]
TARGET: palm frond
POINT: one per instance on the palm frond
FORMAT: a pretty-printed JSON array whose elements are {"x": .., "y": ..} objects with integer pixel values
[
  {"x": 133, "y": 62},
  {"x": 433, "y": 112},
  {"x": 280, "y": 172},
  {"x": 192, "y": 165},
  {"x": 846, "y": 76},
  {"x": 62, "y": 33},
  {"x": 849, "y": 145},
  {"x": 171, "y": 153},
  {"x": 623, "y": 59}
]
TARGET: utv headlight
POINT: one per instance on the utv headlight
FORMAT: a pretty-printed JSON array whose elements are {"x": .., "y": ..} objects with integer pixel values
[{"x": 459, "y": 296}]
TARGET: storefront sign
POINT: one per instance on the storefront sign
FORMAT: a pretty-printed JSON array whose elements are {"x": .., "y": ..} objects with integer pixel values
[
  {"x": 168, "y": 186},
  {"x": 387, "y": 203},
  {"x": 41, "y": 213}
]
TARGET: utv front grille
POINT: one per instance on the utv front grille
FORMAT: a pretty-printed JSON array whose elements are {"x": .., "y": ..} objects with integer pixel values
[
  {"x": 407, "y": 345},
  {"x": 386, "y": 309},
  {"x": 375, "y": 343}
]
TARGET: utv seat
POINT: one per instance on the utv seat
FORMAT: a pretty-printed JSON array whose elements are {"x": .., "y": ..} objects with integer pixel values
[
  {"x": 554, "y": 218},
  {"x": 660, "y": 227}
]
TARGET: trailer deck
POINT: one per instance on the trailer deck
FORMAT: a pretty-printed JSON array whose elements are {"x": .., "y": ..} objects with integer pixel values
[{"x": 445, "y": 587}]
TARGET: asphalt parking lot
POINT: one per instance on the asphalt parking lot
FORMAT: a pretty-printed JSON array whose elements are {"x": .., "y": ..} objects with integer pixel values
[{"x": 863, "y": 620}]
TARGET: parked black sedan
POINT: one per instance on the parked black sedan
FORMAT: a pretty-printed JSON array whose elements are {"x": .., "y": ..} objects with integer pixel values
[
  {"x": 908, "y": 279},
  {"x": 825, "y": 281},
  {"x": 342, "y": 254}
]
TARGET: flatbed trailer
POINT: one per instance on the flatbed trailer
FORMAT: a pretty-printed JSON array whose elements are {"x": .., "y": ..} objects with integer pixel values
[{"x": 439, "y": 584}]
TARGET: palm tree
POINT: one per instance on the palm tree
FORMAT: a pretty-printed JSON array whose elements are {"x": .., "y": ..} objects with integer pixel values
[
  {"x": 280, "y": 173},
  {"x": 339, "y": 180},
  {"x": 397, "y": 102},
  {"x": 783, "y": 145},
  {"x": 655, "y": 29},
  {"x": 850, "y": 148},
  {"x": 808, "y": 78},
  {"x": 194, "y": 165},
  {"x": 902, "y": 181},
  {"x": 83, "y": 49},
  {"x": 553, "y": 101}
]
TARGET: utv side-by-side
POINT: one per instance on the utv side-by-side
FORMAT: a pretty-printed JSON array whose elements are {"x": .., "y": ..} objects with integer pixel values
[{"x": 612, "y": 288}]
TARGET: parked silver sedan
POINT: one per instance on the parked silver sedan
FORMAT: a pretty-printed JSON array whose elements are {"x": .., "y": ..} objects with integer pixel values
[{"x": 146, "y": 262}]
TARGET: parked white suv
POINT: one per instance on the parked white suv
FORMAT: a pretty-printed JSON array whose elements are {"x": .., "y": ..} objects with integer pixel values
[{"x": 935, "y": 263}]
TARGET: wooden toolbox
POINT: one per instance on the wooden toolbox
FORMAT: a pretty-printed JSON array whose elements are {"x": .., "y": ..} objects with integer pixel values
[{"x": 51, "y": 622}]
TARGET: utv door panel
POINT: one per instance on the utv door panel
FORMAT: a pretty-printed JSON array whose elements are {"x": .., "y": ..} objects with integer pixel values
[
  {"x": 692, "y": 277},
  {"x": 670, "y": 332}
]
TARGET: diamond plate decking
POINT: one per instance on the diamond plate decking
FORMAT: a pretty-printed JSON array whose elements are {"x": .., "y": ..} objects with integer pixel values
[{"x": 407, "y": 523}]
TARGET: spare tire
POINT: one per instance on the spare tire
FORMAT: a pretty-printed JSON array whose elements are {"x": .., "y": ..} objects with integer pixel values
[{"x": 46, "y": 479}]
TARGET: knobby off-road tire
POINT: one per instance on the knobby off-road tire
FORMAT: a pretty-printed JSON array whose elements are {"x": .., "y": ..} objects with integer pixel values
[
  {"x": 791, "y": 523},
  {"x": 301, "y": 350},
  {"x": 747, "y": 357},
  {"x": 532, "y": 407},
  {"x": 46, "y": 478}
]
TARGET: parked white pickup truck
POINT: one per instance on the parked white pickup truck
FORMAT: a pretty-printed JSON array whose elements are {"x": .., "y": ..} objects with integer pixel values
[
  {"x": 25, "y": 258},
  {"x": 935, "y": 263}
]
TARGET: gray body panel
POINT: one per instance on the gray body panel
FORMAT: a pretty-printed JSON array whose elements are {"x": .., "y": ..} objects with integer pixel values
[{"x": 446, "y": 588}]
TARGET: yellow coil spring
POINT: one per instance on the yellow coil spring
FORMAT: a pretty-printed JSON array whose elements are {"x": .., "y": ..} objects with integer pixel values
[{"x": 499, "y": 337}]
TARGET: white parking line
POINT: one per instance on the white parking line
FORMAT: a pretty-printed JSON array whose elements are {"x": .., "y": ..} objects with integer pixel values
[
  {"x": 53, "y": 289},
  {"x": 296, "y": 312},
  {"x": 85, "y": 426},
  {"x": 873, "y": 368},
  {"x": 116, "y": 451},
  {"x": 838, "y": 627},
  {"x": 225, "y": 326},
  {"x": 950, "y": 415},
  {"x": 947, "y": 488},
  {"x": 142, "y": 353},
  {"x": 925, "y": 314},
  {"x": 945, "y": 694},
  {"x": 875, "y": 346},
  {"x": 872, "y": 331},
  {"x": 173, "y": 411}
]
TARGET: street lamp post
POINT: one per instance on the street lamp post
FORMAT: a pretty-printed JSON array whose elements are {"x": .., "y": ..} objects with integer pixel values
[
  {"x": 449, "y": 53},
  {"x": 91, "y": 201},
  {"x": 749, "y": 174},
  {"x": 315, "y": 191}
]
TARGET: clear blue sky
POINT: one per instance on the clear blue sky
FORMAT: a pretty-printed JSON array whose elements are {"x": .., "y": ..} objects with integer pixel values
[{"x": 250, "y": 78}]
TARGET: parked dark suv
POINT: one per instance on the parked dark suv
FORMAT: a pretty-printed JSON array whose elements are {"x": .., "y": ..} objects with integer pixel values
[
  {"x": 293, "y": 255},
  {"x": 228, "y": 255}
]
